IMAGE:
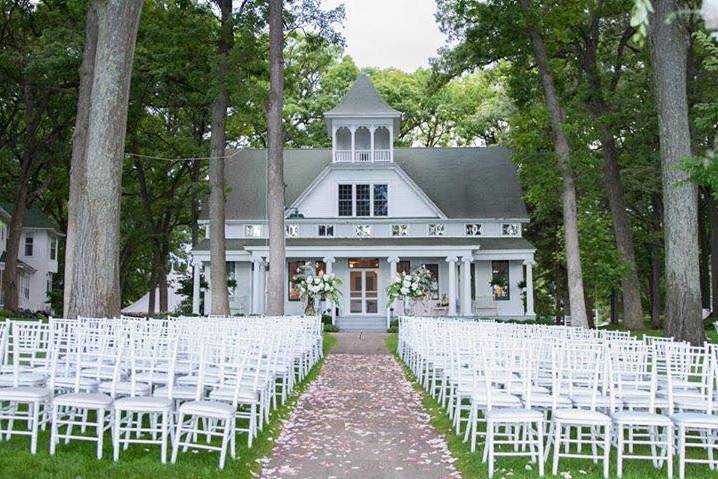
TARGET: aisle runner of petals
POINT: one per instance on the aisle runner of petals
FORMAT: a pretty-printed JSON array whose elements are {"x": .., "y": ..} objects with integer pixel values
[{"x": 360, "y": 419}]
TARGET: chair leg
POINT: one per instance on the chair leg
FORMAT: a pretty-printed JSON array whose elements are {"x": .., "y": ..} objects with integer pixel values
[
  {"x": 100, "y": 431},
  {"x": 34, "y": 408},
  {"x": 540, "y": 429},
  {"x": 116, "y": 436},
  {"x": 681, "y": 452},
  {"x": 619, "y": 451},
  {"x": 606, "y": 450},
  {"x": 163, "y": 452},
  {"x": 53, "y": 430},
  {"x": 556, "y": 447},
  {"x": 177, "y": 438}
]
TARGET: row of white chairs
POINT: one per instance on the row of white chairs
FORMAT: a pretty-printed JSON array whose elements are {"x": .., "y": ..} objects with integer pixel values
[
  {"x": 531, "y": 389},
  {"x": 188, "y": 382}
]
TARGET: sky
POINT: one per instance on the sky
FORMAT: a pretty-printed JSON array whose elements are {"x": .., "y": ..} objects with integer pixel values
[{"x": 390, "y": 33}]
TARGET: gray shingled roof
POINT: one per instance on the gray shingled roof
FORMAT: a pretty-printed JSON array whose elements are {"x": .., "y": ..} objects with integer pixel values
[
  {"x": 464, "y": 183},
  {"x": 483, "y": 244},
  {"x": 362, "y": 99}
]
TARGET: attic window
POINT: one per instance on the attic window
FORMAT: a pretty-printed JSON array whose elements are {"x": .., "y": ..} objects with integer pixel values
[
  {"x": 438, "y": 229},
  {"x": 325, "y": 230},
  {"x": 473, "y": 229},
  {"x": 511, "y": 229},
  {"x": 362, "y": 231},
  {"x": 399, "y": 230}
]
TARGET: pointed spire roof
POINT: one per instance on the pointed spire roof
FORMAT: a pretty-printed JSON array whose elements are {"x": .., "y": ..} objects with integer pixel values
[{"x": 362, "y": 100}]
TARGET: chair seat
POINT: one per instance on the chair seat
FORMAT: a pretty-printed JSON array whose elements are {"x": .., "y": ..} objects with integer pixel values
[
  {"x": 695, "y": 420},
  {"x": 695, "y": 403},
  {"x": 514, "y": 415},
  {"x": 24, "y": 393},
  {"x": 641, "y": 418},
  {"x": 125, "y": 388},
  {"x": 86, "y": 384},
  {"x": 245, "y": 394},
  {"x": 581, "y": 416},
  {"x": 213, "y": 409},
  {"x": 498, "y": 399},
  {"x": 143, "y": 403},
  {"x": 546, "y": 400},
  {"x": 637, "y": 402},
  {"x": 24, "y": 379},
  {"x": 586, "y": 400},
  {"x": 153, "y": 377},
  {"x": 83, "y": 400},
  {"x": 178, "y": 392}
]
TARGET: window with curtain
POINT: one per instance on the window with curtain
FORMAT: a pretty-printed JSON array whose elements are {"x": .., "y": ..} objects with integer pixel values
[{"x": 403, "y": 266}]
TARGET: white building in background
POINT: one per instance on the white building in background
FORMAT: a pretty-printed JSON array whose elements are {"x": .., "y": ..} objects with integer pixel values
[
  {"x": 366, "y": 210},
  {"x": 38, "y": 258}
]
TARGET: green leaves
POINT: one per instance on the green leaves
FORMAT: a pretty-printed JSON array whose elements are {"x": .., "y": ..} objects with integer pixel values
[{"x": 640, "y": 19}]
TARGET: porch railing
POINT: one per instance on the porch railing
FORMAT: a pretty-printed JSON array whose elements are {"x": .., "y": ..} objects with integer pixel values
[{"x": 362, "y": 156}]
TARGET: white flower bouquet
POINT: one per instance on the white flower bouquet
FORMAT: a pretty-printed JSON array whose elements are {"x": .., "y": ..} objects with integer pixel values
[{"x": 417, "y": 285}]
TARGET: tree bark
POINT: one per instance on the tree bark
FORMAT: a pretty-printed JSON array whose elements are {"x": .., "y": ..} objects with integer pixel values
[
  {"x": 275, "y": 163},
  {"x": 668, "y": 45},
  {"x": 79, "y": 146},
  {"x": 94, "y": 265},
  {"x": 713, "y": 237},
  {"x": 12, "y": 249},
  {"x": 563, "y": 153},
  {"x": 704, "y": 245},
  {"x": 655, "y": 287},
  {"x": 217, "y": 217}
]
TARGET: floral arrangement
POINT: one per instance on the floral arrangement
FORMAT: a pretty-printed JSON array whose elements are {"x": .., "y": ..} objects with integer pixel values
[
  {"x": 313, "y": 286},
  {"x": 416, "y": 285}
]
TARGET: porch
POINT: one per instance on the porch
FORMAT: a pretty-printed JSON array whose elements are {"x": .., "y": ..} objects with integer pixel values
[{"x": 473, "y": 277}]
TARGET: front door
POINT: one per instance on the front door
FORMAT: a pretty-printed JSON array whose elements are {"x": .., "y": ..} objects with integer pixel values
[{"x": 363, "y": 291}]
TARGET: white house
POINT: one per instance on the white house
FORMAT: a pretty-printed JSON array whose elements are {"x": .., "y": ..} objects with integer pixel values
[
  {"x": 365, "y": 210},
  {"x": 37, "y": 260}
]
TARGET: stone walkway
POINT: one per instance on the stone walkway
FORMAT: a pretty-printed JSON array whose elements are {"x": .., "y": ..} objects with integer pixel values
[{"x": 360, "y": 419}]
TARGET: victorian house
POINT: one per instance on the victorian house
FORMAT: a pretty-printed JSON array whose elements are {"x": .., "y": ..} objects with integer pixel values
[{"x": 366, "y": 210}]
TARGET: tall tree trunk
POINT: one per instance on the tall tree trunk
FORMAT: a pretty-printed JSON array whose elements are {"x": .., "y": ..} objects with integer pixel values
[
  {"x": 668, "y": 42},
  {"x": 162, "y": 279},
  {"x": 563, "y": 153},
  {"x": 12, "y": 249},
  {"x": 96, "y": 244},
  {"x": 217, "y": 243},
  {"x": 704, "y": 245},
  {"x": 79, "y": 147},
  {"x": 655, "y": 287},
  {"x": 275, "y": 163},
  {"x": 713, "y": 221}
]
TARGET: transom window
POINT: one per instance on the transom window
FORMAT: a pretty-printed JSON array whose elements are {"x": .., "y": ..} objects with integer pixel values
[
  {"x": 53, "y": 249},
  {"x": 361, "y": 263},
  {"x": 399, "y": 230},
  {"x": 511, "y": 229},
  {"x": 291, "y": 230},
  {"x": 437, "y": 229},
  {"x": 363, "y": 199},
  {"x": 473, "y": 229},
  {"x": 253, "y": 231},
  {"x": 362, "y": 231},
  {"x": 325, "y": 230}
]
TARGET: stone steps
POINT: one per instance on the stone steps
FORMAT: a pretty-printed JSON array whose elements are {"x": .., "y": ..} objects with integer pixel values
[{"x": 367, "y": 324}]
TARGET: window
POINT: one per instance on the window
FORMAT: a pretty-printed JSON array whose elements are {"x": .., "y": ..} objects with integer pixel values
[
  {"x": 438, "y": 229},
  {"x": 500, "y": 280},
  {"x": 399, "y": 230},
  {"x": 434, "y": 270},
  {"x": 325, "y": 230},
  {"x": 381, "y": 200},
  {"x": 355, "y": 263},
  {"x": 297, "y": 267},
  {"x": 291, "y": 231},
  {"x": 473, "y": 230},
  {"x": 362, "y": 231},
  {"x": 511, "y": 229},
  {"x": 403, "y": 266},
  {"x": 346, "y": 200},
  {"x": 28, "y": 244},
  {"x": 253, "y": 231},
  {"x": 53, "y": 249},
  {"x": 25, "y": 287},
  {"x": 363, "y": 200}
]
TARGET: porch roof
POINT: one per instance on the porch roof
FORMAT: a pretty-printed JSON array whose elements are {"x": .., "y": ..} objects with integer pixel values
[{"x": 482, "y": 244}]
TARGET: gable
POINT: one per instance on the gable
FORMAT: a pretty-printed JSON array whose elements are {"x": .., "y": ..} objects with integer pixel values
[{"x": 406, "y": 200}]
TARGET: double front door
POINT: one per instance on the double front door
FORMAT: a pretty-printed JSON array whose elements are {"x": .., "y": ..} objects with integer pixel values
[{"x": 364, "y": 291}]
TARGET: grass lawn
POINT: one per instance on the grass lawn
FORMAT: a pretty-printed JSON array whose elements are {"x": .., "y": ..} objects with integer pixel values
[
  {"x": 77, "y": 460},
  {"x": 470, "y": 465}
]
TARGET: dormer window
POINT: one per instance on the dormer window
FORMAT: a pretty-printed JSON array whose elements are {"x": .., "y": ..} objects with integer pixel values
[
  {"x": 325, "y": 230},
  {"x": 363, "y": 200}
]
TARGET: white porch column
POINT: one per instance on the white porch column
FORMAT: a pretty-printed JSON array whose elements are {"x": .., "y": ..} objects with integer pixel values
[
  {"x": 197, "y": 265},
  {"x": 329, "y": 262},
  {"x": 393, "y": 261},
  {"x": 353, "y": 130},
  {"x": 391, "y": 143},
  {"x": 529, "y": 288},
  {"x": 372, "y": 129},
  {"x": 256, "y": 267},
  {"x": 466, "y": 286},
  {"x": 451, "y": 260},
  {"x": 263, "y": 286},
  {"x": 334, "y": 144}
]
